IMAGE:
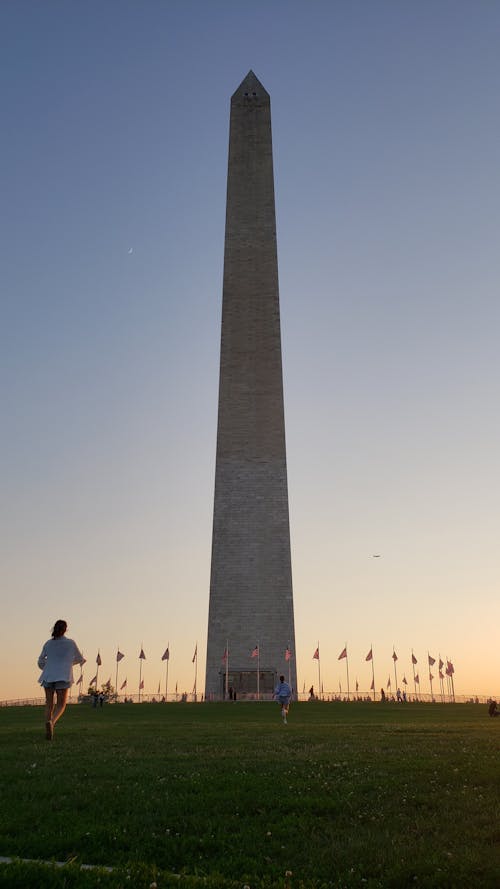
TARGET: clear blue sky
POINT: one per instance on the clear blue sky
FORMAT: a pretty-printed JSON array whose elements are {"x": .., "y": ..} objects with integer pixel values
[{"x": 114, "y": 156}]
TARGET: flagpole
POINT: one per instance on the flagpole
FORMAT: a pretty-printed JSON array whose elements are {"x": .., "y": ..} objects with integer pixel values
[
  {"x": 195, "y": 668},
  {"x": 319, "y": 672},
  {"x": 449, "y": 672},
  {"x": 227, "y": 667},
  {"x": 258, "y": 671},
  {"x": 373, "y": 677},
  {"x": 81, "y": 679},
  {"x": 347, "y": 669},
  {"x": 195, "y": 662},
  {"x": 413, "y": 668},
  {"x": 441, "y": 683},
  {"x": 395, "y": 670},
  {"x": 140, "y": 674},
  {"x": 98, "y": 658},
  {"x": 116, "y": 678},
  {"x": 448, "y": 686},
  {"x": 430, "y": 674},
  {"x": 166, "y": 677},
  {"x": 369, "y": 657}
]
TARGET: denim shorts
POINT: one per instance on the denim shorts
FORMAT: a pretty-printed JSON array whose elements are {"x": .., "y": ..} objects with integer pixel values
[{"x": 56, "y": 686}]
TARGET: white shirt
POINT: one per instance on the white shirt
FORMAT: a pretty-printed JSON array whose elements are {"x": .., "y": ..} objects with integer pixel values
[{"x": 57, "y": 658}]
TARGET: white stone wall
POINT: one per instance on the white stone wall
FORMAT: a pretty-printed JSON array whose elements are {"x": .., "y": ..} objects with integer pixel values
[{"x": 251, "y": 598}]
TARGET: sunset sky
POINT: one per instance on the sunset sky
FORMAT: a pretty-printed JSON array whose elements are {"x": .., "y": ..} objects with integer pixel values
[{"x": 386, "y": 138}]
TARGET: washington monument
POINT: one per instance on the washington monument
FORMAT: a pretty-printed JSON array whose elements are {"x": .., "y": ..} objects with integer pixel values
[{"x": 251, "y": 635}]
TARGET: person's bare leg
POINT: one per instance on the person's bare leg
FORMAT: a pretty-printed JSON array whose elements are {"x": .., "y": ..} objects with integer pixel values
[
  {"x": 62, "y": 697},
  {"x": 49, "y": 703},
  {"x": 49, "y": 709}
]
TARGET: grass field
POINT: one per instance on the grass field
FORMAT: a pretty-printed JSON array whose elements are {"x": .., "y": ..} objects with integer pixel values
[{"x": 224, "y": 795}]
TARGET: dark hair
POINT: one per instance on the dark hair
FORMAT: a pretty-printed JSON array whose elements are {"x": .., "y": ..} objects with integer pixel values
[
  {"x": 282, "y": 678},
  {"x": 60, "y": 628}
]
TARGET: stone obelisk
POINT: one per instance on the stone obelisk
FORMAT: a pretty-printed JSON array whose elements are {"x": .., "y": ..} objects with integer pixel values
[{"x": 251, "y": 598}]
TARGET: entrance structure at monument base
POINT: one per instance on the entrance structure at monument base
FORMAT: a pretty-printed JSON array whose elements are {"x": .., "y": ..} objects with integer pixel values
[{"x": 247, "y": 685}]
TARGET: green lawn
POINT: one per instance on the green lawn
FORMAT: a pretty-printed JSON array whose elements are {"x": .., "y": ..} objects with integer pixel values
[{"x": 224, "y": 795}]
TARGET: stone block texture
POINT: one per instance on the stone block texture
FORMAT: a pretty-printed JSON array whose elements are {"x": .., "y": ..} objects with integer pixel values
[{"x": 251, "y": 598}]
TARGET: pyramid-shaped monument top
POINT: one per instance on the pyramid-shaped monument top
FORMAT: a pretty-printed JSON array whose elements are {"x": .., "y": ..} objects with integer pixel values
[{"x": 250, "y": 90}]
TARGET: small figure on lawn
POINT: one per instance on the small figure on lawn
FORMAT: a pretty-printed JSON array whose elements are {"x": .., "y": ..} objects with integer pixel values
[{"x": 283, "y": 693}]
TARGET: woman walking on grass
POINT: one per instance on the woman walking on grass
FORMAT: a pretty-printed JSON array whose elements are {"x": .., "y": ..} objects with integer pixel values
[
  {"x": 283, "y": 693},
  {"x": 56, "y": 663}
]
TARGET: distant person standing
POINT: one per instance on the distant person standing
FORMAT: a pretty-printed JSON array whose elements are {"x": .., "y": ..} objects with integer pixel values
[
  {"x": 283, "y": 693},
  {"x": 56, "y": 663}
]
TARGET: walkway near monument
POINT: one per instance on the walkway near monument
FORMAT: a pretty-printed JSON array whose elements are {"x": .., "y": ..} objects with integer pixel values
[{"x": 251, "y": 635}]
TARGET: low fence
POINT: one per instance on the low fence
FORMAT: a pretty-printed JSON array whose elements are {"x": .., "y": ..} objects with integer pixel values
[{"x": 198, "y": 699}]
